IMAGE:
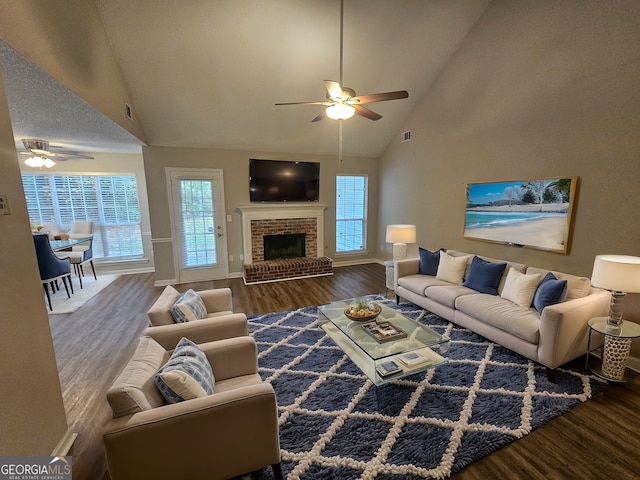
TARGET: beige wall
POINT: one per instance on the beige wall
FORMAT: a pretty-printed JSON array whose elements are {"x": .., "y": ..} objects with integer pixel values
[
  {"x": 537, "y": 90},
  {"x": 114, "y": 163},
  {"x": 67, "y": 40},
  {"x": 235, "y": 167},
  {"x": 32, "y": 417}
]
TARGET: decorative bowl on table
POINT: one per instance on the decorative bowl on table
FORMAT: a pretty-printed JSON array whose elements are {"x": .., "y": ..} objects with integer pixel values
[{"x": 363, "y": 311}]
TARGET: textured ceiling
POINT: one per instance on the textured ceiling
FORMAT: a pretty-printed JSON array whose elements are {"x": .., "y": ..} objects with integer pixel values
[
  {"x": 41, "y": 108},
  {"x": 207, "y": 73}
]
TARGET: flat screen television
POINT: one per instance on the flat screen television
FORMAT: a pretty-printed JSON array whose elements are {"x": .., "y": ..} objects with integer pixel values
[{"x": 283, "y": 181}]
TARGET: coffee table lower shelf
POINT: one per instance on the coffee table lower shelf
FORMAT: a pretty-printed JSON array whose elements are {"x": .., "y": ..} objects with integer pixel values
[{"x": 369, "y": 366}]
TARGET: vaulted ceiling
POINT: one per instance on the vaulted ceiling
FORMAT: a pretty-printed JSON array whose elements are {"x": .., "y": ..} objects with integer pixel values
[{"x": 208, "y": 73}]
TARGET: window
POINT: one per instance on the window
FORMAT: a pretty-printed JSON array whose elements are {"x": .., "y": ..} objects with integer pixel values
[
  {"x": 351, "y": 221},
  {"x": 110, "y": 201}
]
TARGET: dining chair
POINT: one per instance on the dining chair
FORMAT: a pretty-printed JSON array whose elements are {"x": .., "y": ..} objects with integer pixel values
[
  {"x": 83, "y": 253},
  {"x": 51, "y": 267}
]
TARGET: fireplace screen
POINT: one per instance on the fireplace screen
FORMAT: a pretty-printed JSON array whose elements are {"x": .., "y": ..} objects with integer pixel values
[{"x": 284, "y": 246}]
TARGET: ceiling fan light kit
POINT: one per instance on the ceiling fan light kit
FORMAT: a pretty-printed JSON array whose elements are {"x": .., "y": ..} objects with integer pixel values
[
  {"x": 340, "y": 111},
  {"x": 39, "y": 162}
]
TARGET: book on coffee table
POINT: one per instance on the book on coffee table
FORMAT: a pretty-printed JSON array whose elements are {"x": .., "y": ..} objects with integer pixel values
[
  {"x": 388, "y": 368},
  {"x": 384, "y": 331},
  {"x": 411, "y": 359}
]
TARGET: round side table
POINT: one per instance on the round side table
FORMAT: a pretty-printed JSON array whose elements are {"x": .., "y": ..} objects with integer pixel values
[{"x": 616, "y": 348}]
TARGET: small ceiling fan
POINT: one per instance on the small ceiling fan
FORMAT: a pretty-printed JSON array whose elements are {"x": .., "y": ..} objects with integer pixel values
[
  {"x": 342, "y": 102},
  {"x": 41, "y": 154}
]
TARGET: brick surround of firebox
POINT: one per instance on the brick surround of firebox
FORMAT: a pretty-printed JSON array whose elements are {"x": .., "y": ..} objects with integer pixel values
[
  {"x": 261, "y": 220},
  {"x": 282, "y": 226}
]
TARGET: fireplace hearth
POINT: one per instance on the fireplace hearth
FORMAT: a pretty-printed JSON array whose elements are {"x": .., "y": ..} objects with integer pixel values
[{"x": 290, "y": 245}]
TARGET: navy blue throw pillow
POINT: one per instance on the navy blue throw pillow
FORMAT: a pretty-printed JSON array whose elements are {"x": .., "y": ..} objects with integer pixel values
[
  {"x": 484, "y": 276},
  {"x": 428, "y": 261},
  {"x": 549, "y": 292}
]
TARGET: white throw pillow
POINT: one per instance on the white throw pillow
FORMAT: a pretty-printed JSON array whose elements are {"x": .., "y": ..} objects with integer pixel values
[
  {"x": 188, "y": 360},
  {"x": 520, "y": 288},
  {"x": 451, "y": 269},
  {"x": 188, "y": 307}
]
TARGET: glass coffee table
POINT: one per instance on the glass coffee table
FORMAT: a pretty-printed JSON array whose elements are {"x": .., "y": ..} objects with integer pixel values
[{"x": 391, "y": 340}]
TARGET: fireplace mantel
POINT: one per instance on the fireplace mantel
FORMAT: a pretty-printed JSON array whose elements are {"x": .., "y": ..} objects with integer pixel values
[{"x": 281, "y": 211}]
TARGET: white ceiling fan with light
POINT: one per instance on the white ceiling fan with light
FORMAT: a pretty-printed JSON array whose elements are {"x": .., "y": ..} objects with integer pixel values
[
  {"x": 40, "y": 154},
  {"x": 342, "y": 102}
]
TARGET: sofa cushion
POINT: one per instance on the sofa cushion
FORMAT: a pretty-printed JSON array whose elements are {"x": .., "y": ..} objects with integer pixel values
[
  {"x": 520, "y": 288},
  {"x": 451, "y": 269},
  {"x": 447, "y": 294},
  {"x": 419, "y": 283},
  {"x": 189, "y": 360},
  {"x": 484, "y": 276},
  {"x": 502, "y": 314},
  {"x": 518, "y": 266},
  {"x": 577, "y": 287},
  {"x": 134, "y": 390},
  {"x": 428, "y": 261},
  {"x": 188, "y": 307},
  {"x": 549, "y": 292}
]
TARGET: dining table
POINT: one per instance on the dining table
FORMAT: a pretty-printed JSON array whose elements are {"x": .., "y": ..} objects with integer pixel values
[{"x": 60, "y": 245}]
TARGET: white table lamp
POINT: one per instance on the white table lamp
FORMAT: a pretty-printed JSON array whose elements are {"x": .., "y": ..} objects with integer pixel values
[
  {"x": 400, "y": 235},
  {"x": 621, "y": 275}
]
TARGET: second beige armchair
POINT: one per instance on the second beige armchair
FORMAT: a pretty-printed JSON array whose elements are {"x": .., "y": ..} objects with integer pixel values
[{"x": 219, "y": 323}]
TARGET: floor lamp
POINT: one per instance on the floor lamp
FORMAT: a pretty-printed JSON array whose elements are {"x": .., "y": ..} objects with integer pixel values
[
  {"x": 400, "y": 235},
  {"x": 621, "y": 275}
]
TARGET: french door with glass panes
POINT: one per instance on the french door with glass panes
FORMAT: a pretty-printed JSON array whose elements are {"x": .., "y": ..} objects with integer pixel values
[{"x": 199, "y": 237}]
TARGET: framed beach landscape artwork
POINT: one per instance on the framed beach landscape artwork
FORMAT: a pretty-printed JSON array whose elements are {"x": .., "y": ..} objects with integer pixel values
[{"x": 530, "y": 213}]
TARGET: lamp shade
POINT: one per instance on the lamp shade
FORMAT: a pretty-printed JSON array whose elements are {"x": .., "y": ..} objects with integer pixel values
[
  {"x": 401, "y": 234},
  {"x": 618, "y": 273}
]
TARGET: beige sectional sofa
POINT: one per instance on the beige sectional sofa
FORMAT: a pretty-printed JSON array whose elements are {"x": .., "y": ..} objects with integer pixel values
[{"x": 553, "y": 337}]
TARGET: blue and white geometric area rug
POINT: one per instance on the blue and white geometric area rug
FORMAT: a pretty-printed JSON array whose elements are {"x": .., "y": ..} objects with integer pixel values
[{"x": 334, "y": 425}]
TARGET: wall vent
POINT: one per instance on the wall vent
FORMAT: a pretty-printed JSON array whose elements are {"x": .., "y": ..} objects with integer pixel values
[
  {"x": 405, "y": 136},
  {"x": 127, "y": 111}
]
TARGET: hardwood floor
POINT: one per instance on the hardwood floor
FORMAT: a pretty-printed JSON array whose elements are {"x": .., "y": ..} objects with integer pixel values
[{"x": 597, "y": 440}]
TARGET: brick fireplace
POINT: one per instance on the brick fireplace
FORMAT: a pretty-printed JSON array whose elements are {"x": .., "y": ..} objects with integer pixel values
[{"x": 262, "y": 220}]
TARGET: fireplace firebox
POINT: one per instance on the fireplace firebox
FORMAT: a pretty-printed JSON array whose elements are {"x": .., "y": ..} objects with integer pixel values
[{"x": 291, "y": 245}]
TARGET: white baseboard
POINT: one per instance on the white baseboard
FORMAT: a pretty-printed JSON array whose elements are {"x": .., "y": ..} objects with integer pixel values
[{"x": 63, "y": 447}]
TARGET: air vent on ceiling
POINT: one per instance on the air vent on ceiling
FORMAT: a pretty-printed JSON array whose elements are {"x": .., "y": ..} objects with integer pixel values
[
  {"x": 127, "y": 111},
  {"x": 405, "y": 136}
]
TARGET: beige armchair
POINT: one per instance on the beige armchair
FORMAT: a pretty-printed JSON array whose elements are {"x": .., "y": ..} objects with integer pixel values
[
  {"x": 229, "y": 433},
  {"x": 220, "y": 322}
]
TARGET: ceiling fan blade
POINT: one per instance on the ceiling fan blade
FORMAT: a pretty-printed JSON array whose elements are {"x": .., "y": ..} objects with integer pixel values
[
  {"x": 307, "y": 103},
  {"x": 320, "y": 116},
  {"x": 73, "y": 156},
  {"x": 379, "y": 97},
  {"x": 365, "y": 112},
  {"x": 334, "y": 89}
]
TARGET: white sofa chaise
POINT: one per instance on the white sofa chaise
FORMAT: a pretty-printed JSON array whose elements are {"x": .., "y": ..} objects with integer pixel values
[{"x": 552, "y": 337}]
